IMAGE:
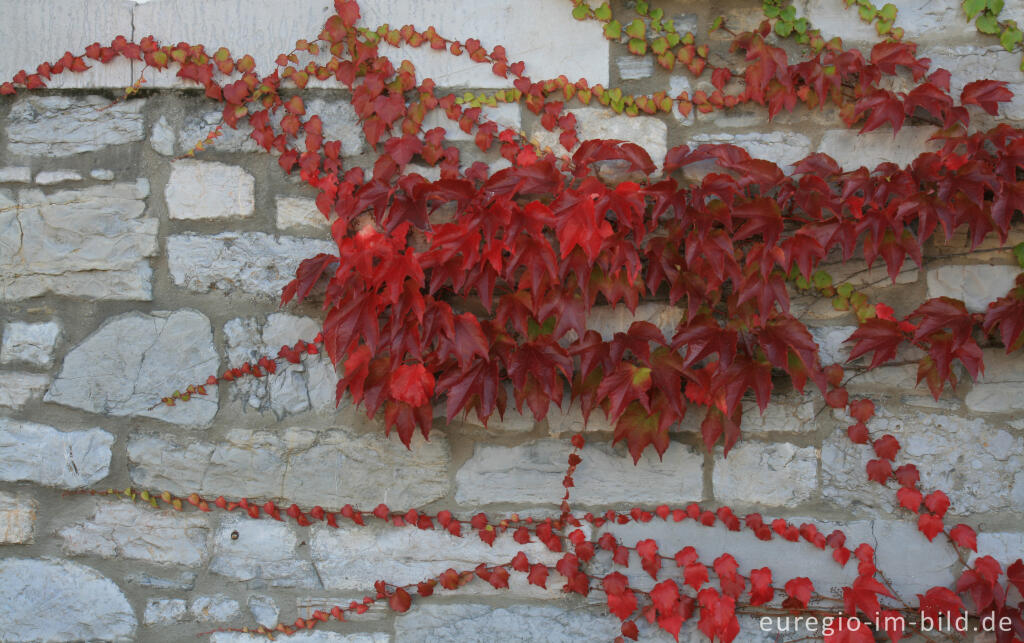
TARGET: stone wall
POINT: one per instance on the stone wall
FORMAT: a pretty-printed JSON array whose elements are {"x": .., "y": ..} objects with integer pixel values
[{"x": 125, "y": 274}]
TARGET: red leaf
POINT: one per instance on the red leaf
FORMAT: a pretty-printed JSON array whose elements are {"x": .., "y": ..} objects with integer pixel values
[
  {"x": 800, "y": 589},
  {"x": 630, "y": 631},
  {"x": 400, "y": 600},
  {"x": 987, "y": 94},
  {"x": 930, "y": 525},
  {"x": 665, "y": 595},
  {"x": 412, "y": 384},
  {"x": 538, "y": 575},
  {"x": 965, "y": 537},
  {"x": 887, "y": 447},
  {"x": 909, "y": 498},
  {"x": 879, "y": 471},
  {"x": 937, "y": 502},
  {"x": 761, "y": 590}
]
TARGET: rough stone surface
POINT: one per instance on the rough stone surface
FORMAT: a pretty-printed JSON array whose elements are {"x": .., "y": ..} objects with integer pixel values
[
  {"x": 999, "y": 389},
  {"x": 30, "y": 343},
  {"x": 17, "y": 389},
  {"x": 19, "y": 174},
  {"x": 609, "y": 320},
  {"x": 215, "y": 608},
  {"x": 779, "y": 474},
  {"x": 57, "y": 176},
  {"x": 782, "y": 148},
  {"x": 134, "y": 360},
  {"x": 186, "y": 581},
  {"x": 792, "y": 414},
  {"x": 253, "y": 263},
  {"x": 90, "y": 243},
  {"x": 321, "y": 636},
  {"x": 17, "y": 519},
  {"x": 164, "y": 611},
  {"x": 264, "y": 609},
  {"x": 852, "y": 150},
  {"x": 161, "y": 137},
  {"x": 102, "y": 175},
  {"x": 533, "y": 472},
  {"x": 127, "y": 530},
  {"x": 90, "y": 606},
  {"x": 831, "y": 340},
  {"x": 968, "y": 63},
  {"x": 332, "y": 467},
  {"x": 635, "y": 67},
  {"x": 976, "y": 285},
  {"x": 204, "y": 190},
  {"x": 65, "y": 125},
  {"x": 29, "y": 451},
  {"x": 526, "y": 623},
  {"x": 592, "y": 122},
  {"x": 262, "y": 552},
  {"x": 293, "y": 212},
  {"x": 975, "y": 463}
]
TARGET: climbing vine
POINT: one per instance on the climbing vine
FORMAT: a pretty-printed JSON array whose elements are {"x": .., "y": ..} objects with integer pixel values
[{"x": 463, "y": 290}]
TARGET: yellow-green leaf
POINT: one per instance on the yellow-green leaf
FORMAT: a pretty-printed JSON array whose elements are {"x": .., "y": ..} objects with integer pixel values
[
  {"x": 613, "y": 30},
  {"x": 636, "y": 29},
  {"x": 972, "y": 7}
]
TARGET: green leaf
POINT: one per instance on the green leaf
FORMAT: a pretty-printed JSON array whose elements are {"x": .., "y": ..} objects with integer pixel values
[
  {"x": 1018, "y": 252},
  {"x": 670, "y": 27},
  {"x": 716, "y": 25},
  {"x": 603, "y": 13},
  {"x": 783, "y": 28},
  {"x": 637, "y": 46},
  {"x": 788, "y": 13},
  {"x": 580, "y": 11},
  {"x": 888, "y": 12},
  {"x": 840, "y": 303},
  {"x": 800, "y": 26},
  {"x": 883, "y": 27},
  {"x": 641, "y": 7},
  {"x": 673, "y": 39},
  {"x": 1010, "y": 38},
  {"x": 659, "y": 45},
  {"x": 972, "y": 7},
  {"x": 844, "y": 291},
  {"x": 657, "y": 14},
  {"x": 867, "y": 14},
  {"x": 771, "y": 11},
  {"x": 613, "y": 30},
  {"x": 995, "y": 6},
  {"x": 636, "y": 29},
  {"x": 987, "y": 23},
  {"x": 822, "y": 279},
  {"x": 687, "y": 39}
]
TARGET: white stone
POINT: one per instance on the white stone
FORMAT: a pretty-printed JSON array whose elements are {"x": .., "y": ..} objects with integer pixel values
[
  {"x": 609, "y": 320},
  {"x": 533, "y": 472},
  {"x": 264, "y": 610},
  {"x": 353, "y": 558},
  {"x": 42, "y": 454},
  {"x": 512, "y": 422},
  {"x": 860, "y": 275},
  {"x": 319, "y": 636},
  {"x": 186, "y": 581},
  {"x": 134, "y": 360},
  {"x": 968, "y": 63},
  {"x": 18, "y": 389},
  {"x": 781, "y": 148},
  {"x": 784, "y": 414},
  {"x": 329, "y": 468},
  {"x": 293, "y": 212},
  {"x": 102, "y": 175},
  {"x": 254, "y": 263},
  {"x": 677, "y": 84},
  {"x": 635, "y": 67},
  {"x": 974, "y": 462},
  {"x": 126, "y": 530},
  {"x": 598, "y": 122},
  {"x": 57, "y": 176},
  {"x": 1006, "y": 547},
  {"x": 66, "y": 125},
  {"x": 204, "y": 190},
  {"x": 519, "y": 623},
  {"x": 569, "y": 419},
  {"x": 999, "y": 389},
  {"x": 31, "y": 343},
  {"x": 852, "y": 150},
  {"x": 976, "y": 285},
  {"x": 161, "y": 137},
  {"x": 506, "y": 115},
  {"x": 778, "y": 474},
  {"x": 17, "y": 519},
  {"x": 90, "y": 243},
  {"x": 214, "y": 608},
  {"x": 164, "y": 611},
  {"x": 831, "y": 340},
  {"x": 919, "y": 18},
  {"x": 85, "y": 605},
  {"x": 260, "y": 550},
  {"x": 20, "y": 174}
]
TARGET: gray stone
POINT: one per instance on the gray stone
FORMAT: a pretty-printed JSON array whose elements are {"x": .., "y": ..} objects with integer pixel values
[
  {"x": 126, "y": 530},
  {"x": 975, "y": 463},
  {"x": 264, "y": 610},
  {"x": 609, "y": 320},
  {"x": 677, "y": 84},
  {"x": 161, "y": 137},
  {"x": 17, "y": 389},
  {"x": 831, "y": 340},
  {"x": 999, "y": 389},
  {"x": 976, "y": 285},
  {"x": 17, "y": 519},
  {"x": 164, "y": 611},
  {"x": 968, "y": 63},
  {"x": 782, "y": 148},
  {"x": 299, "y": 213},
  {"x": 254, "y": 263},
  {"x": 21, "y": 174},
  {"x": 30, "y": 343},
  {"x": 526, "y": 623},
  {"x": 778, "y": 474},
  {"x": 1005, "y": 546},
  {"x": 90, "y": 243},
  {"x": 569, "y": 419},
  {"x": 204, "y": 190},
  {"x": 185, "y": 582},
  {"x": 42, "y": 454},
  {"x": 57, "y": 600},
  {"x": 852, "y": 150},
  {"x": 635, "y": 67},
  {"x": 57, "y": 176},
  {"x": 134, "y": 360},
  {"x": 67, "y": 125},
  {"x": 784, "y": 414},
  {"x": 506, "y": 115},
  {"x": 320, "y": 636},
  {"x": 199, "y": 126},
  {"x": 533, "y": 472},
  {"x": 102, "y": 175},
  {"x": 512, "y": 422},
  {"x": 353, "y": 558},
  {"x": 598, "y": 122},
  {"x": 260, "y": 552},
  {"x": 331, "y": 467},
  {"x": 214, "y": 608},
  {"x": 919, "y": 19}
]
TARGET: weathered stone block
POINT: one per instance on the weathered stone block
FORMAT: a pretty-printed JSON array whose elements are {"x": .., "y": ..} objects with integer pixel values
[
  {"x": 968, "y": 63},
  {"x": 67, "y": 125},
  {"x": 831, "y": 340},
  {"x": 90, "y": 243},
  {"x": 215, "y": 608},
  {"x": 261, "y": 552},
  {"x": 164, "y": 611},
  {"x": 597, "y": 122},
  {"x": 30, "y": 343},
  {"x": 976, "y": 285},
  {"x": 299, "y": 213},
  {"x": 326, "y": 468},
  {"x": 852, "y": 150},
  {"x": 21, "y": 174},
  {"x": 17, "y": 519},
  {"x": 125, "y": 530},
  {"x": 780, "y": 474},
  {"x": 17, "y": 389},
  {"x": 248, "y": 262},
  {"x": 264, "y": 609},
  {"x": 999, "y": 389},
  {"x": 204, "y": 190},
  {"x": 57, "y": 176},
  {"x": 533, "y": 472},
  {"x": 477, "y": 622},
  {"x": 42, "y": 454},
  {"x": 134, "y": 360},
  {"x": 321, "y": 636},
  {"x": 91, "y": 606},
  {"x": 161, "y": 137},
  {"x": 781, "y": 148}
]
